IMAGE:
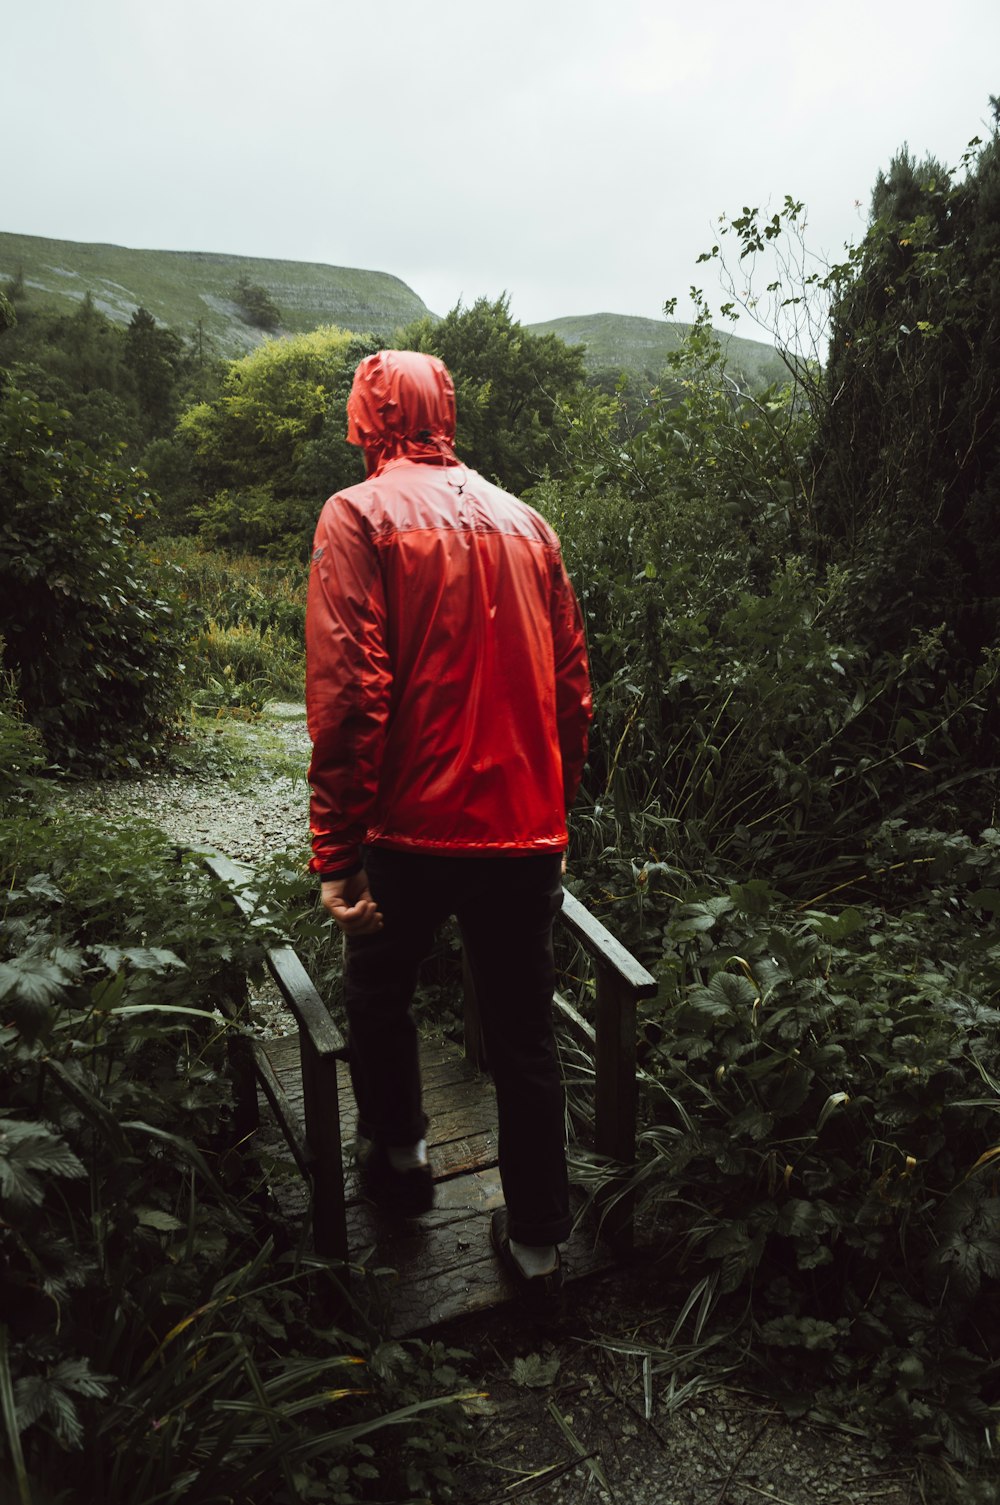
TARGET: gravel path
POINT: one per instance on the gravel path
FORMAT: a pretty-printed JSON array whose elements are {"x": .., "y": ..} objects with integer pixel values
[
  {"x": 247, "y": 819},
  {"x": 594, "y": 1425}
]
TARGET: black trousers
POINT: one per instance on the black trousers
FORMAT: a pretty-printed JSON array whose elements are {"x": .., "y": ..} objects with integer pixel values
[{"x": 505, "y": 907}]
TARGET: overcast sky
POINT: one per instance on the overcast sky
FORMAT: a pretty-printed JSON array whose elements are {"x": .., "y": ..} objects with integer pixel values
[{"x": 574, "y": 153}]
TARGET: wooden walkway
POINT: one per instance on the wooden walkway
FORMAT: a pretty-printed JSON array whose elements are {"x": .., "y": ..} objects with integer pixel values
[
  {"x": 445, "y": 1266},
  {"x": 443, "y": 1263}
]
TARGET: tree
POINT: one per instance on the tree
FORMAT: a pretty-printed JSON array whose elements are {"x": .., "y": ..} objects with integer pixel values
[
  {"x": 510, "y": 387},
  {"x": 256, "y": 304},
  {"x": 8, "y": 318},
  {"x": 277, "y": 430},
  {"x": 909, "y": 434},
  {"x": 93, "y": 631},
  {"x": 154, "y": 356},
  {"x": 76, "y": 361}
]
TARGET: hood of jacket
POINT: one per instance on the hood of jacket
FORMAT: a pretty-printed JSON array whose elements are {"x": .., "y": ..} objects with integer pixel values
[{"x": 402, "y": 405}]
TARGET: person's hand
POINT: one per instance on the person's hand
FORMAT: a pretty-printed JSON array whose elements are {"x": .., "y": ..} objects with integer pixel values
[
  {"x": 350, "y": 902},
  {"x": 564, "y": 861}
]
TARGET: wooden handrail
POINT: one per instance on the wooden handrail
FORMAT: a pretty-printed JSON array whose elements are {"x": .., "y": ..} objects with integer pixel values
[
  {"x": 294, "y": 983},
  {"x": 321, "y": 1046},
  {"x": 604, "y": 948},
  {"x": 620, "y": 982}
]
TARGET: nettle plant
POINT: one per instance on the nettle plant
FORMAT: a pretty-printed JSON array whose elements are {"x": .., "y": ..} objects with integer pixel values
[{"x": 823, "y": 1140}]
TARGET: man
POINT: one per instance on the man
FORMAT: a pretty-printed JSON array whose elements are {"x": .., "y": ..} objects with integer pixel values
[{"x": 448, "y": 701}]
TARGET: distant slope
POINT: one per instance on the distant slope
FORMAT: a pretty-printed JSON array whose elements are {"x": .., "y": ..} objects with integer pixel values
[
  {"x": 182, "y": 287},
  {"x": 622, "y": 342}
]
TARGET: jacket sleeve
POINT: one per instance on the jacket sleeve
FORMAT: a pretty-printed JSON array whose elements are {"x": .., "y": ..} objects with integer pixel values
[
  {"x": 574, "y": 702},
  {"x": 348, "y": 686}
]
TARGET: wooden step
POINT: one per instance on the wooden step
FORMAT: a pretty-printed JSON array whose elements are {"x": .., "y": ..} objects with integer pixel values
[{"x": 439, "y": 1266}]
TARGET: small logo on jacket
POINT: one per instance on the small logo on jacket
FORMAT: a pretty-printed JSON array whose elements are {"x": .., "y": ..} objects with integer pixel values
[{"x": 318, "y": 553}]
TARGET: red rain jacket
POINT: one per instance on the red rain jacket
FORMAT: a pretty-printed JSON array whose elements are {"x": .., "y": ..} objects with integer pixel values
[{"x": 447, "y": 689}]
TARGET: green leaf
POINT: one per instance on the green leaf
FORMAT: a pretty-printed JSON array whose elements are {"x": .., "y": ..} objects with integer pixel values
[
  {"x": 140, "y": 958},
  {"x": 126, "y": 1009},
  {"x": 28, "y": 1147},
  {"x": 799, "y": 1332},
  {"x": 534, "y": 1372},
  {"x": 163, "y": 1222},
  {"x": 837, "y": 927},
  {"x": 34, "y": 980}
]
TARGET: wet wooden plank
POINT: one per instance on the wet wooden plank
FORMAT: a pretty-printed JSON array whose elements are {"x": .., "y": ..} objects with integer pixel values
[
  {"x": 460, "y": 1108},
  {"x": 443, "y": 1059},
  {"x": 424, "y": 1295},
  {"x": 439, "y": 1266},
  {"x": 460, "y": 1200},
  {"x": 459, "y": 1157}
]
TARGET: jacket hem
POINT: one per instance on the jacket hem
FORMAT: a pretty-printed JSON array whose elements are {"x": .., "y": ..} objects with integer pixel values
[{"x": 537, "y": 846}]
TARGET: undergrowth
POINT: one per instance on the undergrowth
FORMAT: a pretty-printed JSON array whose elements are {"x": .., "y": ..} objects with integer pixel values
[
  {"x": 247, "y": 619},
  {"x": 159, "y": 1339}
]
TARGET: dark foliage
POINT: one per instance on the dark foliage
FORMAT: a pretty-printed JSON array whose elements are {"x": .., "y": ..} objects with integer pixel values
[
  {"x": 92, "y": 627},
  {"x": 909, "y": 431},
  {"x": 266, "y": 452},
  {"x": 159, "y": 1340},
  {"x": 510, "y": 386}
]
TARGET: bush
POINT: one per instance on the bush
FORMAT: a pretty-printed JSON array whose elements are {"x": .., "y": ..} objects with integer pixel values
[
  {"x": 249, "y": 616},
  {"x": 510, "y": 387},
  {"x": 824, "y": 1087},
  {"x": 250, "y": 520},
  {"x": 93, "y": 630},
  {"x": 21, "y": 754},
  {"x": 244, "y": 666},
  {"x": 822, "y": 1084},
  {"x": 269, "y": 449},
  {"x": 156, "y": 1344},
  {"x": 908, "y": 457},
  {"x": 256, "y": 304}
]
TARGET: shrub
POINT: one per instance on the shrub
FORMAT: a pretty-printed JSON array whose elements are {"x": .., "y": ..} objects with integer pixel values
[
  {"x": 909, "y": 463},
  {"x": 93, "y": 630},
  {"x": 822, "y": 1084},
  {"x": 250, "y": 625},
  {"x": 256, "y": 304},
  {"x": 158, "y": 1339},
  {"x": 21, "y": 753},
  {"x": 270, "y": 447},
  {"x": 244, "y": 666},
  {"x": 510, "y": 387},
  {"x": 251, "y": 520}
]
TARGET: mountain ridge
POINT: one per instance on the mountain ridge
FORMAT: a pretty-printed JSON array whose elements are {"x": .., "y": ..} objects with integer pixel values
[
  {"x": 194, "y": 293},
  {"x": 188, "y": 289}
]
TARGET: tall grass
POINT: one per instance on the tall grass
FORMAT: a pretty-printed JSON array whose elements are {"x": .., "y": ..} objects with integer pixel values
[{"x": 248, "y": 616}]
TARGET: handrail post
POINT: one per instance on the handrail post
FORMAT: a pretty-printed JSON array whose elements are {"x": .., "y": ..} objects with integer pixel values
[
  {"x": 616, "y": 1094},
  {"x": 321, "y": 1109},
  {"x": 239, "y": 1050}
]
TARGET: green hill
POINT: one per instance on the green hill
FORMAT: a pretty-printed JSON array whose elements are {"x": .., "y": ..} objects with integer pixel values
[
  {"x": 185, "y": 288},
  {"x": 623, "y": 342}
]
